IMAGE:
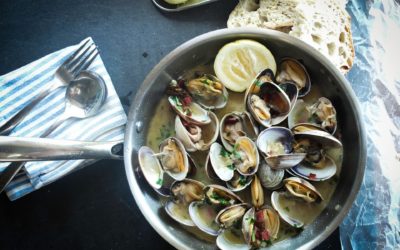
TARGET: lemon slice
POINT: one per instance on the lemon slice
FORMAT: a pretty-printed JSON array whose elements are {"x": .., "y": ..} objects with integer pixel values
[{"x": 238, "y": 63}]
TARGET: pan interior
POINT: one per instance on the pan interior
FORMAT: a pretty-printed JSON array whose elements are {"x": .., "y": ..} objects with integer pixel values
[{"x": 203, "y": 49}]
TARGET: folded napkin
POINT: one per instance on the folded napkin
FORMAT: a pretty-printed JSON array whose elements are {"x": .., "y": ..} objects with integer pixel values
[{"x": 20, "y": 87}]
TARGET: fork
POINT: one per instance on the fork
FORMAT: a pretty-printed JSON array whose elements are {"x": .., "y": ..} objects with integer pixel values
[{"x": 78, "y": 61}]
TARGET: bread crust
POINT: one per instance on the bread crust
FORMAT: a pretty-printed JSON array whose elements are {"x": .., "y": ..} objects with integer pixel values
[{"x": 290, "y": 16}]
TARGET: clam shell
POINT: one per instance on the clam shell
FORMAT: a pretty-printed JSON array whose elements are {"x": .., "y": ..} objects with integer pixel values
[
  {"x": 217, "y": 103},
  {"x": 282, "y": 135},
  {"x": 180, "y": 175},
  {"x": 229, "y": 215},
  {"x": 237, "y": 188},
  {"x": 305, "y": 184},
  {"x": 179, "y": 213},
  {"x": 199, "y": 116},
  {"x": 199, "y": 185},
  {"x": 209, "y": 134},
  {"x": 282, "y": 212},
  {"x": 280, "y": 99},
  {"x": 286, "y": 67},
  {"x": 250, "y": 147},
  {"x": 249, "y": 127},
  {"x": 219, "y": 163},
  {"x": 270, "y": 179},
  {"x": 228, "y": 196},
  {"x": 152, "y": 171},
  {"x": 249, "y": 220},
  {"x": 228, "y": 240},
  {"x": 305, "y": 171},
  {"x": 300, "y": 115},
  {"x": 317, "y": 134},
  {"x": 203, "y": 216}
]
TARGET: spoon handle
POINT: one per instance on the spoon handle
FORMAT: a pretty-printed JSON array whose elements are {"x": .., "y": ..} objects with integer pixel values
[
  {"x": 20, "y": 149},
  {"x": 55, "y": 125}
]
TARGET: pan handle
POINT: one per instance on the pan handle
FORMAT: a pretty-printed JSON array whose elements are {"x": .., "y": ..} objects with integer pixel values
[{"x": 15, "y": 149}]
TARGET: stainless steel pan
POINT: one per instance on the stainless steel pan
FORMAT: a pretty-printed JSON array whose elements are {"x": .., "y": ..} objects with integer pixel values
[{"x": 203, "y": 49}]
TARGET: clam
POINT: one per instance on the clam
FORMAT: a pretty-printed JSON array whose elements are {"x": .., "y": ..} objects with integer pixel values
[
  {"x": 260, "y": 227},
  {"x": 221, "y": 196},
  {"x": 203, "y": 216},
  {"x": 184, "y": 192},
  {"x": 189, "y": 110},
  {"x": 197, "y": 137},
  {"x": 245, "y": 156},
  {"x": 317, "y": 165},
  {"x": 321, "y": 113},
  {"x": 291, "y": 70},
  {"x": 266, "y": 101},
  {"x": 257, "y": 193},
  {"x": 152, "y": 170},
  {"x": 283, "y": 212},
  {"x": 306, "y": 171},
  {"x": 173, "y": 158},
  {"x": 229, "y": 216},
  {"x": 232, "y": 239},
  {"x": 219, "y": 163},
  {"x": 302, "y": 189},
  {"x": 270, "y": 178},
  {"x": 208, "y": 91},
  {"x": 234, "y": 125},
  {"x": 239, "y": 182},
  {"x": 275, "y": 144}
]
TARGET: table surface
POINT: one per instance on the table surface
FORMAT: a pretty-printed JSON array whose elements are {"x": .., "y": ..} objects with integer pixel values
[{"x": 93, "y": 207}]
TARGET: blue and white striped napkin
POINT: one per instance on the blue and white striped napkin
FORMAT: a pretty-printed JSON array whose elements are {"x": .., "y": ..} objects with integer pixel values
[{"x": 18, "y": 88}]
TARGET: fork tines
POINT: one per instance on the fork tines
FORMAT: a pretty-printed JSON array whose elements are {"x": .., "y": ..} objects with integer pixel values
[{"x": 81, "y": 58}]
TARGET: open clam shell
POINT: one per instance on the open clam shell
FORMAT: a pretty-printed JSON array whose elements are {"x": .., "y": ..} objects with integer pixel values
[
  {"x": 313, "y": 132},
  {"x": 231, "y": 239},
  {"x": 152, "y": 170},
  {"x": 192, "y": 113},
  {"x": 270, "y": 178},
  {"x": 239, "y": 182},
  {"x": 301, "y": 188},
  {"x": 291, "y": 70},
  {"x": 246, "y": 157},
  {"x": 184, "y": 192},
  {"x": 283, "y": 213},
  {"x": 208, "y": 91},
  {"x": 179, "y": 213},
  {"x": 221, "y": 196},
  {"x": 275, "y": 144},
  {"x": 197, "y": 137},
  {"x": 322, "y": 113},
  {"x": 234, "y": 125},
  {"x": 267, "y": 102},
  {"x": 174, "y": 159},
  {"x": 203, "y": 216},
  {"x": 229, "y": 216},
  {"x": 220, "y": 162},
  {"x": 260, "y": 227},
  {"x": 306, "y": 171}
]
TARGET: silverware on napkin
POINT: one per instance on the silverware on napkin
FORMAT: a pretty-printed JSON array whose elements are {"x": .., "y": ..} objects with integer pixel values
[
  {"x": 78, "y": 61},
  {"x": 84, "y": 97}
]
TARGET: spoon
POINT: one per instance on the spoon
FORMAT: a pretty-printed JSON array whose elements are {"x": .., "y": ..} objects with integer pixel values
[
  {"x": 84, "y": 97},
  {"x": 163, "y": 5}
]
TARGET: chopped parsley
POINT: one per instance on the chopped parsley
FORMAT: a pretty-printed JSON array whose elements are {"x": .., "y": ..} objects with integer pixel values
[
  {"x": 287, "y": 209},
  {"x": 224, "y": 153},
  {"x": 159, "y": 181},
  {"x": 258, "y": 83},
  {"x": 231, "y": 166},
  {"x": 221, "y": 200},
  {"x": 242, "y": 180}
]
